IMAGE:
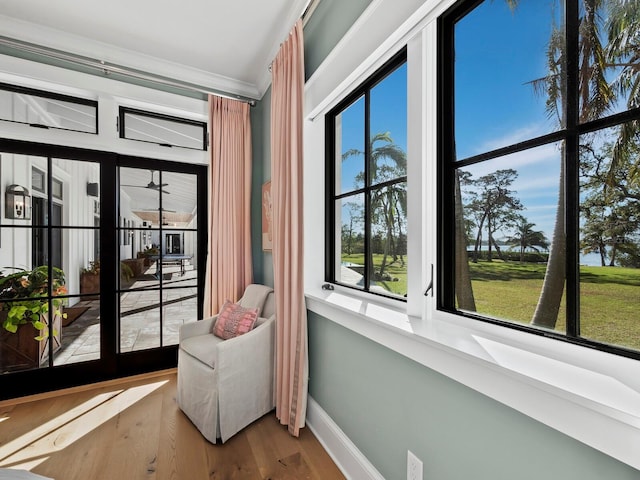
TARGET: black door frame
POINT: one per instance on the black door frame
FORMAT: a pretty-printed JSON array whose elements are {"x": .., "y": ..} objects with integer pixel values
[{"x": 111, "y": 364}]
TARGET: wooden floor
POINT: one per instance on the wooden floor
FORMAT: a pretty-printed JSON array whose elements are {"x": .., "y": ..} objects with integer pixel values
[{"x": 133, "y": 430}]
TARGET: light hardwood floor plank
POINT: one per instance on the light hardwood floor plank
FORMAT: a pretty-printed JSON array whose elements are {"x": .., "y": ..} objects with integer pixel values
[{"x": 133, "y": 430}]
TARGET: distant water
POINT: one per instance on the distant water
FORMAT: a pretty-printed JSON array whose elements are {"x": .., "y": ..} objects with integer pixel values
[{"x": 591, "y": 260}]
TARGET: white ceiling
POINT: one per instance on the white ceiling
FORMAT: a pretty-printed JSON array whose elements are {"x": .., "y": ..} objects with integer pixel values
[
  {"x": 223, "y": 45},
  {"x": 178, "y": 195}
]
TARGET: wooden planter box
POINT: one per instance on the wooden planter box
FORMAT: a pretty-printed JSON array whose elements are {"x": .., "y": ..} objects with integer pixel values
[
  {"x": 147, "y": 262},
  {"x": 137, "y": 266},
  {"x": 90, "y": 283},
  {"x": 21, "y": 351}
]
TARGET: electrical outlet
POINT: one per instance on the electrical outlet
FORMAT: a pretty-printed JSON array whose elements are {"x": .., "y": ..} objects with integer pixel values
[{"x": 414, "y": 467}]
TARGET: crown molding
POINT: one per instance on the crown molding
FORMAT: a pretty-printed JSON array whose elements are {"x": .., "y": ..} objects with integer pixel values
[
  {"x": 77, "y": 45},
  {"x": 263, "y": 82}
]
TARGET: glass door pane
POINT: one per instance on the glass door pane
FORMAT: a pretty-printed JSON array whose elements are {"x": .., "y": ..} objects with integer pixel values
[
  {"x": 158, "y": 256},
  {"x": 48, "y": 241}
]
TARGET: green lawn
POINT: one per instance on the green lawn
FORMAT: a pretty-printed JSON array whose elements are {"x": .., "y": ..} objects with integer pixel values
[
  {"x": 610, "y": 296},
  {"x": 609, "y": 300},
  {"x": 395, "y": 270}
]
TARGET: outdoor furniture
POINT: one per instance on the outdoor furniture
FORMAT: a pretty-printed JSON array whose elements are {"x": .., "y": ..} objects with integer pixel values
[
  {"x": 171, "y": 259},
  {"x": 224, "y": 385}
]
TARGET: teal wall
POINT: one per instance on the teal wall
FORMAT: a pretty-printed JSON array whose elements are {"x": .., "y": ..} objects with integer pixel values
[
  {"x": 261, "y": 172},
  {"x": 387, "y": 404},
  {"x": 328, "y": 24}
]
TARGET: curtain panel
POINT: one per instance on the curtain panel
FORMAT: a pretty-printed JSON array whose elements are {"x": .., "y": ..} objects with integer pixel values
[
  {"x": 287, "y": 98},
  {"x": 229, "y": 262}
]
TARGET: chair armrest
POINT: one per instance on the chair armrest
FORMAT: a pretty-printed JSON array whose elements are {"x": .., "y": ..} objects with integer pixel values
[
  {"x": 196, "y": 328},
  {"x": 251, "y": 353},
  {"x": 242, "y": 345}
]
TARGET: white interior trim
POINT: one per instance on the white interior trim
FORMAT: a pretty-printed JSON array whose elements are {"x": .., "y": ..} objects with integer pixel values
[
  {"x": 351, "y": 462},
  {"x": 382, "y": 29},
  {"x": 294, "y": 13},
  {"x": 67, "y": 42}
]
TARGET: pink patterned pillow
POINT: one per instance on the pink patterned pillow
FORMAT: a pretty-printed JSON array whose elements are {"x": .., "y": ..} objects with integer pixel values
[{"x": 234, "y": 320}]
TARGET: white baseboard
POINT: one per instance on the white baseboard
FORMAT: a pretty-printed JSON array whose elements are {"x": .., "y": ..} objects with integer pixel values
[{"x": 351, "y": 462}]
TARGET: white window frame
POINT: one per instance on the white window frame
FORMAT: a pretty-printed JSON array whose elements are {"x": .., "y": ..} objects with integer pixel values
[{"x": 590, "y": 395}]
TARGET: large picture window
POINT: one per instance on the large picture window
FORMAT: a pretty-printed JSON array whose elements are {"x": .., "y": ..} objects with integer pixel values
[
  {"x": 539, "y": 170},
  {"x": 367, "y": 183}
]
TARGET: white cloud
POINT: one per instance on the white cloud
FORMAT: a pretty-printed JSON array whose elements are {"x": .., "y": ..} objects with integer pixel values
[{"x": 524, "y": 133}]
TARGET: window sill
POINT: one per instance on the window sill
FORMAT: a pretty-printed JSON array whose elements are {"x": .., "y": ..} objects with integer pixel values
[{"x": 592, "y": 396}]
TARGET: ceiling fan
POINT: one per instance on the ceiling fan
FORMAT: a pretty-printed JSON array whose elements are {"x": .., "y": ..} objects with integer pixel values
[{"x": 151, "y": 185}]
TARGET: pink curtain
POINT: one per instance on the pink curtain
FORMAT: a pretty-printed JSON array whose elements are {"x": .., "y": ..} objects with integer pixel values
[
  {"x": 229, "y": 263},
  {"x": 286, "y": 189}
]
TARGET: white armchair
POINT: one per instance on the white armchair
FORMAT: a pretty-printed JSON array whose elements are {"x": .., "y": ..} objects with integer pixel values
[{"x": 224, "y": 385}]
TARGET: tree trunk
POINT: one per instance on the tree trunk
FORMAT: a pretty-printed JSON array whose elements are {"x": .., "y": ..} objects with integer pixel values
[
  {"x": 546, "y": 314},
  {"x": 497, "y": 247},
  {"x": 614, "y": 250},
  {"x": 489, "y": 249},
  {"x": 463, "y": 287},
  {"x": 387, "y": 244},
  {"x": 478, "y": 244}
]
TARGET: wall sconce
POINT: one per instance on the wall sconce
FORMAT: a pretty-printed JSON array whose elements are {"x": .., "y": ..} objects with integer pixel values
[
  {"x": 93, "y": 190},
  {"x": 17, "y": 202}
]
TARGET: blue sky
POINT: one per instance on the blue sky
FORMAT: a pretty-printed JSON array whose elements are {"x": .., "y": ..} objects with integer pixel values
[
  {"x": 388, "y": 114},
  {"x": 498, "y": 53}
]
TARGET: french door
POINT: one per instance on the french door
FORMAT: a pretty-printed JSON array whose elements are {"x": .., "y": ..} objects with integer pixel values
[
  {"x": 40, "y": 250},
  {"x": 81, "y": 261}
]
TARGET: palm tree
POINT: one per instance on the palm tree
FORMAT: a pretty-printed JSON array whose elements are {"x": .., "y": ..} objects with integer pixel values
[
  {"x": 381, "y": 147},
  {"x": 388, "y": 205},
  {"x": 595, "y": 97},
  {"x": 526, "y": 237},
  {"x": 387, "y": 162},
  {"x": 623, "y": 52},
  {"x": 463, "y": 287}
]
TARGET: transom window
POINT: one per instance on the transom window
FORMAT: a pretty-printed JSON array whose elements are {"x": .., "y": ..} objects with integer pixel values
[
  {"x": 539, "y": 173},
  {"x": 42, "y": 109},
  {"x": 163, "y": 129},
  {"x": 367, "y": 185}
]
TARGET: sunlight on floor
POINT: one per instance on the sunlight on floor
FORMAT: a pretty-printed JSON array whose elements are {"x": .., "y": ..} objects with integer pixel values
[{"x": 32, "y": 448}]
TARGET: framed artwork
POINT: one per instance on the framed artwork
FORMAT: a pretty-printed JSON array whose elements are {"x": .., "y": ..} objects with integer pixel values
[{"x": 267, "y": 211}]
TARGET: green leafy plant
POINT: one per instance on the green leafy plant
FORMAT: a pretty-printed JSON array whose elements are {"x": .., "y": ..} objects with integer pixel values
[
  {"x": 93, "y": 268},
  {"x": 22, "y": 297},
  {"x": 126, "y": 273}
]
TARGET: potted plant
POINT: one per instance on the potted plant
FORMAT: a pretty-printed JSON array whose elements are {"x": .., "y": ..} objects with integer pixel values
[
  {"x": 90, "y": 278},
  {"x": 25, "y": 315},
  {"x": 148, "y": 253}
]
